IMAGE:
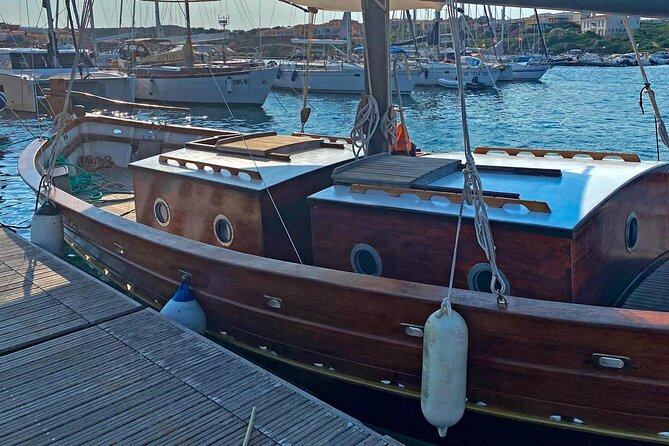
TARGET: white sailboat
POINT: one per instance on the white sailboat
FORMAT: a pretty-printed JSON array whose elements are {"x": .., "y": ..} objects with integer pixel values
[
  {"x": 337, "y": 77},
  {"x": 220, "y": 83},
  {"x": 475, "y": 71},
  {"x": 343, "y": 77}
]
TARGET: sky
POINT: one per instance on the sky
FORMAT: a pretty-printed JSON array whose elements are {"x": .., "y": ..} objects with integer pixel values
[{"x": 244, "y": 14}]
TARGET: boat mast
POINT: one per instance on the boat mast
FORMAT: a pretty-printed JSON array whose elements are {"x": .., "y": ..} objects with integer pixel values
[
  {"x": 159, "y": 27},
  {"x": 120, "y": 19},
  {"x": 377, "y": 63},
  {"x": 189, "y": 57},
  {"x": 71, "y": 22},
  {"x": 95, "y": 44},
  {"x": 503, "y": 27},
  {"x": 346, "y": 29},
  {"x": 53, "y": 42},
  {"x": 541, "y": 34},
  {"x": 75, "y": 11}
]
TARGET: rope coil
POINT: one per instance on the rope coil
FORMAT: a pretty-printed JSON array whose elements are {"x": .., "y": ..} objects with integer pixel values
[{"x": 367, "y": 120}]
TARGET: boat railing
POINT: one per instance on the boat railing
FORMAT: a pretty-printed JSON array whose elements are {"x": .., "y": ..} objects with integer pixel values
[{"x": 597, "y": 156}]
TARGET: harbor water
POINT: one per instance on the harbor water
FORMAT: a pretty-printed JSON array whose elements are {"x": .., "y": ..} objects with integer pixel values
[{"x": 584, "y": 108}]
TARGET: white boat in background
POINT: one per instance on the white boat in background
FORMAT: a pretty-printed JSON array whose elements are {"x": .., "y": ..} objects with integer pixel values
[
  {"x": 342, "y": 77},
  {"x": 453, "y": 84},
  {"x": 659, "y": 58},
  {"x": 26, "y": 72},
  {"x": 246, "y": 84},
  {"x": 532, "y": 70},
  {"x": 475, "y": 71}
]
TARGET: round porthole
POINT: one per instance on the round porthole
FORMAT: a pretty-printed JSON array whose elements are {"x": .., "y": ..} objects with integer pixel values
[
  {"x": 223, "y": 230},
  {"x": 161, "y": 211},
  {"x": 479, "y": 277},
  {"x": 365, "y": 260},
  {"x": 631, "y": 232}
]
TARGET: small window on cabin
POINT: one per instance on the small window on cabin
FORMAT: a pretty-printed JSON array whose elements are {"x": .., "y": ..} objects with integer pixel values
[
  {"x": 480, "y": 276},
  {"x": 631, "y": 232},
  {"x": 365, "y": 260},
  {"x": 223, "y": 230},
  {"x": 161, "y": 211}
]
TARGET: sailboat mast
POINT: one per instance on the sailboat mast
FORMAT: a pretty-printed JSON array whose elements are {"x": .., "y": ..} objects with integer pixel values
[
  {"x": 95, "y": 44},
  {"x": 159, "y": 27},
  {"x": 71, "y": 23},
  {"x": 503, "y": 28},
  {"x": 189, "y": 57},
  {"x": 541, "y": 34},
  {"x": 437, "y": 27},
  {"x": 53, "y": 43},
  {"x": 346, "y": 25},
  {"x": 377, "y": 63},
  {"x": 75, "y": 11},
  {"x": 120, "y": 19}
]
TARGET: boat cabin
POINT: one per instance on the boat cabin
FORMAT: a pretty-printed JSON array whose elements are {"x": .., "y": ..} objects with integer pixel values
[
  {"x": 226, "y": 191},
  {"x": 579, "y": 219},
  {"x": 12, "y": 59}
]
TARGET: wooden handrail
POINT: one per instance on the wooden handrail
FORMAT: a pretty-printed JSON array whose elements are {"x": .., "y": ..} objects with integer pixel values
[
  {"x": 493, "y": 202},
  {"x": 329, "y": 138},
  {"x": 628, "y": 157},
  {"x": 254, "y": 174}
]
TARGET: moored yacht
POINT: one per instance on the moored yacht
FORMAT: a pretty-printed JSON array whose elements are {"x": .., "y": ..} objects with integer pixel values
[
  {"x": 475, "y": 71},
  {"x": 26, "y": 72},
  {"x": 340, "y": 77}
]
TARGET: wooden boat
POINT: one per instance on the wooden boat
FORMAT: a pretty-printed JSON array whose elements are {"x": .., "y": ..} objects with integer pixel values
[
  {"x": 571, "y": 262},
  {"x": 581, "y": 343}
]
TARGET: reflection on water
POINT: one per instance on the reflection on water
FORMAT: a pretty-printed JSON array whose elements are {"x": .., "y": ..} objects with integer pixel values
[{"x": 575, "y": 108}]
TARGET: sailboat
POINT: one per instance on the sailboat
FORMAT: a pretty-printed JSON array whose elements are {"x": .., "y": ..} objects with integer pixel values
[
  {"x": 344, "y": 76},
  {"x": 325, "y": 267},
  {"x": 25, "y": 73},
  {"x": 476, "y": 74},
  {"x": 203, "y": 83}
]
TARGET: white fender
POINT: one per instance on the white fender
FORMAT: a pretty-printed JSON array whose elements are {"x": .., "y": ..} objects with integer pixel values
[
  {"x": 46, "y": 230},
  {"x": 444, "y": 381}
]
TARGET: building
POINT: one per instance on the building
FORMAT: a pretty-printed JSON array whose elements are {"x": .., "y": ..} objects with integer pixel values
[
  {"x": 608, "y": 25},
  {"x": 330, "y": 30}
]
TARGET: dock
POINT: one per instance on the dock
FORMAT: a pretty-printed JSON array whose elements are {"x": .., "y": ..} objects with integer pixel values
[{"x": 81, "y": 363}]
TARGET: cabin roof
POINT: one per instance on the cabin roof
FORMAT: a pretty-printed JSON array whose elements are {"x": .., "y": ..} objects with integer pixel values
[
  {"x": 273, "y": 171},
  {"x": 583, "y": 185}
]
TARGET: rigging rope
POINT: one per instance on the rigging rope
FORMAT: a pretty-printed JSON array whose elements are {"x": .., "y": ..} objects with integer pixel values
[
  {"x": 367, "y": 120},
  {"x": 63, "y": 117},
  {"x": 472, "y": 190},
  {"x": 659, "y": 123}
]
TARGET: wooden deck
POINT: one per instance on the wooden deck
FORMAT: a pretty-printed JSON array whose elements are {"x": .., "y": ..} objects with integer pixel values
[
  {"x": 81, "y": 363},
  {"x": 118, "y": 197},
  {"x": 652, "y": 293}
]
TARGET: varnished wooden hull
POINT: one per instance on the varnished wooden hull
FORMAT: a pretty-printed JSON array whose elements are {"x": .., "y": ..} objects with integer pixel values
[{"x": 528, "y": 361}]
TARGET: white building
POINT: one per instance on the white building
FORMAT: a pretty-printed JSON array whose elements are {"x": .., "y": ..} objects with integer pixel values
[{"x": 608, "y": 25}]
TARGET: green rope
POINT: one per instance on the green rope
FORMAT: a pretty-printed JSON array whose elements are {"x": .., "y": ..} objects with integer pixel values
[{"x": 84, "y": 182}]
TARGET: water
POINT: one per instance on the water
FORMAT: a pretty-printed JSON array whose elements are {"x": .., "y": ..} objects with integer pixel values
[{"x": 572, "y": 108}]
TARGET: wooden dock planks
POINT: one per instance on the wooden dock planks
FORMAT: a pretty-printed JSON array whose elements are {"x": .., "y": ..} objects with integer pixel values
[
  {"x": 42, "y": 297},
  {"x": 82, "y": 364}
]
